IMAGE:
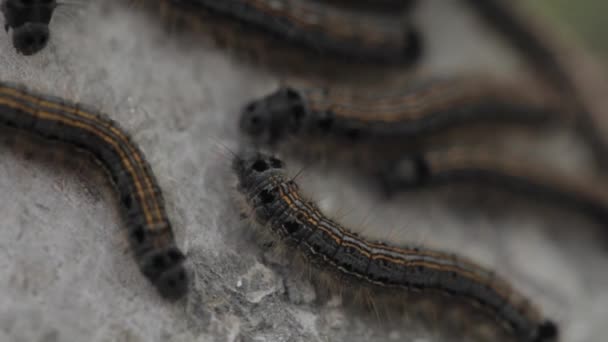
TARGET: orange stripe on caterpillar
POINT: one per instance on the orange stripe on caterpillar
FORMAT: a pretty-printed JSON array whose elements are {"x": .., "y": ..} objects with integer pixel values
[
  {"x": 141, "y": 199},
  {"x": 417, "y": 112},
  {"x": 579, "y": 79},
  {"x": 318, "y": 28},
  {"x": 497, "y": 169},
  {"x": 277, "y": 205}
]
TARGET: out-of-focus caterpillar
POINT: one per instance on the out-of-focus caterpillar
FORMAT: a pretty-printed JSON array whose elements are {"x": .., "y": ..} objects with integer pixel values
[
  {"x": 380, "y": 5},
  {"x": 506, "y": 171},
  {"x": 313, "y": 26},
  {"x": 400, "y": 119},
  {"x": 566, "y": 68}
]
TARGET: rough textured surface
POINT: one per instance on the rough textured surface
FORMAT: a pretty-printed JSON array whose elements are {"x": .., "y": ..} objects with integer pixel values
[{"x": 67, "y": 273}]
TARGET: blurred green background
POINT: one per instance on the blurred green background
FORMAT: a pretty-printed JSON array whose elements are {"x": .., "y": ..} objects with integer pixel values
[{"x": 586, "y": 18}]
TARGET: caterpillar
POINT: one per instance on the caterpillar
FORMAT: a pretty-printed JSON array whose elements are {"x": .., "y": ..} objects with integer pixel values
[
  {"x": 29, "y": 20},
  {"x": 315, "y": 27},
  {"x": 567, "y": 69},
  {"x": 505, "y": 171},
  {"x": 421, "y": 111},
  {"x": 527, "y": 38},
  {"x": 277, "y": 204},
  {"x": 141, "y": 199},
  {"x": 382, "y": 5}
]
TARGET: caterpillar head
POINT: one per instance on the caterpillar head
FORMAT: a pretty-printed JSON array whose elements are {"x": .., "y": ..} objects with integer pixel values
[
  {"x": 547, "y": 331},
  {"x": 29, "y": 20},
  {"x": 250, "y": 165},
  {"x": 272, "y": 118},
  {"x": 164, "y": 267}
]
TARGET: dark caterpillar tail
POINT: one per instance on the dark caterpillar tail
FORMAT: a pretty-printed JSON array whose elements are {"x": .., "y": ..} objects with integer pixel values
[
  {"x": 414, "y": 45},
  {"x": 29, "y": 21},
  {"x": 30, "y": 38},
  {"x": 546, "y": 332},
  {"x": 165, "y": 269}
]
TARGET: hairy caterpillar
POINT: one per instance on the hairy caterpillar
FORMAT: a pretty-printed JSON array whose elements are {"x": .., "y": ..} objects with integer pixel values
[
  {"x": 141, "y": 199},
  {"x": 276, "y": 204}
]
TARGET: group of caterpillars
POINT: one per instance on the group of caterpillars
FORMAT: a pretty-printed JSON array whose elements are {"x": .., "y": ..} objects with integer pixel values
[{"x": 403, "y": 133}]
